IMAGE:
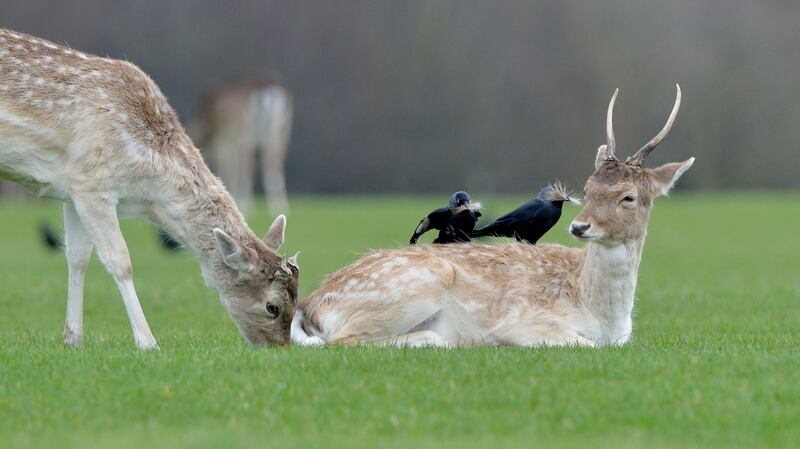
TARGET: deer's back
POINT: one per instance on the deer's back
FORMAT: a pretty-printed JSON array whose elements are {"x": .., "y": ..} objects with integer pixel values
[
  {"x": 499, "y": 277},
  {"x": 61, "y": 109},
  {"x": 73, "y": 94}
]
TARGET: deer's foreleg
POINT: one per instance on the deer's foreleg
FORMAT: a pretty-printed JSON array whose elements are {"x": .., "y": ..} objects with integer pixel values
[
  {"x": 99, "y": 218},
  {"x": 418, "y": 339}
]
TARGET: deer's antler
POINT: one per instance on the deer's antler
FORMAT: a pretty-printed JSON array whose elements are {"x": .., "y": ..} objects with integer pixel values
[{"x": 639, "y": 157}]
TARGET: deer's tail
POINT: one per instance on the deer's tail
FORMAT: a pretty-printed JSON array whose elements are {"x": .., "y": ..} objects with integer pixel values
[{"x": 299, "y": 334}]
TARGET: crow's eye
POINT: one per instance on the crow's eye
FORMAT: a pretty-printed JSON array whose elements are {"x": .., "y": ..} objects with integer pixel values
[
  {"x": 272, "y": 309},
  {"x": 628, "y": 199}
]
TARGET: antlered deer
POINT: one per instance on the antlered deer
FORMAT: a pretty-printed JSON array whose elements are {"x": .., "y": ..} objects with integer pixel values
[
  {"x": 512, "y": 294},
  {"x": 235, "y": 121},
  {"x": 98, "y": 135}
]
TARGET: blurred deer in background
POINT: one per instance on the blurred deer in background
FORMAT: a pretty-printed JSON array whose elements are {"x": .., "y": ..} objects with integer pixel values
[
  {"x": 98, "y": 134},
  {"x": 13, "y": 191},
  {"x": 511, "y": 294},
  {"x": 241, "y": 122}
]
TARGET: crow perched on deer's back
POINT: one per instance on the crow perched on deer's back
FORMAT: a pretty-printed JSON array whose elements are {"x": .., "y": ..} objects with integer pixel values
[
  {"x": 532, "y": 220},
  {"x": 454, "y": 223}
]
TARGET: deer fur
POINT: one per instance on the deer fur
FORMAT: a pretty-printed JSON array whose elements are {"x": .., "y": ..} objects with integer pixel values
[
  {"x": 98, "y": 134},
  {"x": 509, "y": 294},
  {"x": 238, "y": 119}
]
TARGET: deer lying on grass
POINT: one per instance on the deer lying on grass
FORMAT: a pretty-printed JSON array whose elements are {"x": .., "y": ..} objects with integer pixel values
[
  {"x": 98, "y": 135},
  {"x": 512, "y": 294},
  {"x": 235, "y": 121}
]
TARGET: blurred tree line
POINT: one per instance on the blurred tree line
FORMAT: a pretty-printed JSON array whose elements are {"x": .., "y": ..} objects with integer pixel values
[{"x": 490, "y": 96}]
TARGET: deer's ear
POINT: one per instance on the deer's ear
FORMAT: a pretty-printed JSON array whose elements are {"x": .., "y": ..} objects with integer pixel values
[
  {"x": 665, "y": 177},
  {"x": 232, "y": 252},
  {"x": 274, "y": 237}
]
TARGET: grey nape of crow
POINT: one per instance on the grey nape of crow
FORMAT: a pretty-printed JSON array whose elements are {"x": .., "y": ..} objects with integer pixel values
[
  {"x": 533, "y": 219},
  {"x": 454, "y": 222}
]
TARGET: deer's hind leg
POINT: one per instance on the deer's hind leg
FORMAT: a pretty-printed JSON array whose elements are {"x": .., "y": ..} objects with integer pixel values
[
  {"x": 547, "y": 334},
  {"x": 79, "y": 252}
]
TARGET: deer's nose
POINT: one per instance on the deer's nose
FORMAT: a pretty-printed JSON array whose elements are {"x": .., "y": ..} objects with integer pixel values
[{"x": 578, "y": 229}]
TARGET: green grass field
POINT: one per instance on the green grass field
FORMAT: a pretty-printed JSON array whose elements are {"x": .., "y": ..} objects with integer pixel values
[{"x": 714, "y": 360}]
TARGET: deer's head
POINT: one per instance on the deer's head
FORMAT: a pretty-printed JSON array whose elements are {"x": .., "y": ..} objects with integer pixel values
[
  {"x": 260, "y": 287},
  {"x": 619, "y": 195}
]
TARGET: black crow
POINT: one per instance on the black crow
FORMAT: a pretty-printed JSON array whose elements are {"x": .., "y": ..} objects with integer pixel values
[
  {"x": 454, "y": 223},
  {"x": 49, "y": 238},
  {"x": 533, "y": 219},
  {"x": 167, "y": 242}
]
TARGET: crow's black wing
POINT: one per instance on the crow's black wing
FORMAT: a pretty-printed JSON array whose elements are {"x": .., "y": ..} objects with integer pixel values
[
  {"x": 539, "y": 223},
  {"x": 435, "y": 220},
  {"x": 507, "y": 225},
  {"x": 459, "y": 228}
]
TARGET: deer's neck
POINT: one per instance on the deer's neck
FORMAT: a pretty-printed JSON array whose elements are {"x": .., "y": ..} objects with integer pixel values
[
  {"x": 608, "y": 284},
  {"x": 192, "y": 211}
]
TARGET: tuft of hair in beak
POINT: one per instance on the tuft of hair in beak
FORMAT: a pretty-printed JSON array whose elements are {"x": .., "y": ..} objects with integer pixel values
[
  {"x": 474, "y": 206},
  {"x": 560, "y": 193}
]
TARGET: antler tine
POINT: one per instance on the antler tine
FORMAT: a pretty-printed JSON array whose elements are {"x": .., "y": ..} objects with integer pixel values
[
  {"x": 639, "y": 157},
  {"x": 611, "y": 142}
]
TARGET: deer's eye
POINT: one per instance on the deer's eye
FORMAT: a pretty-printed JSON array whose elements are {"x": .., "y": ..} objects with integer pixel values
[
  {"x": 272, "y": 309},
  {"x": 628, "y": 199}
]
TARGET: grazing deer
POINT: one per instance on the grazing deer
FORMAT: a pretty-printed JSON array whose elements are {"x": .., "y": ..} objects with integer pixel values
[
  {"x": 235, "y": 121},
  {"x": 512, "y": 294},
  {"x": 98, "y": 135}
]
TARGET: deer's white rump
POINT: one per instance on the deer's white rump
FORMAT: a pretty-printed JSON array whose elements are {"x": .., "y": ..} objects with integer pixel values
[{"x": 512, "y": 294}]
